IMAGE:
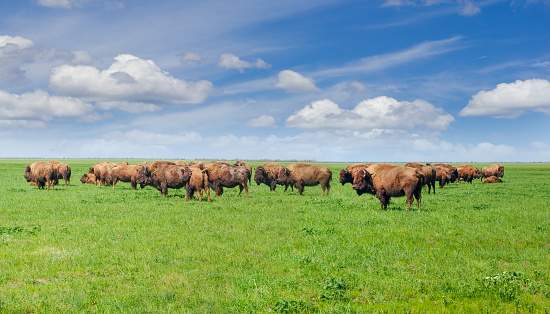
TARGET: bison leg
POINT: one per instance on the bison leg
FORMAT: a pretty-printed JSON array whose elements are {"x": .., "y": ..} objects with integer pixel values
[{"x": 273, "y": 185}]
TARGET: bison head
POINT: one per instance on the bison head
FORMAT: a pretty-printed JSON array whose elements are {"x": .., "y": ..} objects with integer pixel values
[
  {"x": 345, "y": 177},
  {"x": 284, "y": 176},
  {"x": 143, "y": 175},
  {"x": 186, "y": 173},
  {"x": 260, "y": 175},
  {"x": 28, "y": 173},
  {"x": 362, "y": 182}
]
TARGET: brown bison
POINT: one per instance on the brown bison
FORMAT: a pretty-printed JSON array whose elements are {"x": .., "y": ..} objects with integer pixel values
[
  {"x": 386, "y": 181},
  {"x": 492, "y": 179},
  {"x": 223, "y": 175},
  {"x": 430, "y": 174},
  {"x": 41, "y": 174},
  {"x": 88, "y": 178},
  {"x": 443, "y": 175},
  {"x": 63, "y": 171},
  {"x": 496, "y": 170},
  {"x": 163, "y": 175},
  {"x": 468, "y": 173},
  {"x": 268, "y": 174},
  {"x": 248, "y": 167},
  {"x": 346, "y": 174},
  {"x": 124, "y": 173},
  {"x": 300, "y": 175},
  {"x": 198, "y": 182},
  {"x": 103, "y": 171},
  {"x": 453, "y": 171}
]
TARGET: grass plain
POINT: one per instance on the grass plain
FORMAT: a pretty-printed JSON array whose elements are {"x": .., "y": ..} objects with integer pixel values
[{"x": 84, "y": 248}]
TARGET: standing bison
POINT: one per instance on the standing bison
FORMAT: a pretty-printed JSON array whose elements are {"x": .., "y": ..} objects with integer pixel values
[
  {"x": 386, "y": 181},
  {"x": 223, "y": 175},
  {"x": 468, "y": 173},
  {"x": 197, "y": 183},
  {"x": 63, "y": 171},
  {"x": 300, "y": 175},
  {"x": 41, "y": 174},
  {"x": 268, "y": 174},
  {"x": 453, "y": 171},
  {"x": 430, "y": 174},
  {"x": 163, "y": 175},
  {"x": 496, "y": 170},
  {"x": 124, "y": 173}
]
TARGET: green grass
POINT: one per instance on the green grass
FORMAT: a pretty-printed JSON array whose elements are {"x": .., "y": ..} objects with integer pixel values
[{"x": 83, "y": 248}]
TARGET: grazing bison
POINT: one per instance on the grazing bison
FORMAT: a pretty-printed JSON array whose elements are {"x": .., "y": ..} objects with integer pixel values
[
  {"x": 268, "y": 174},
  {"x": 430, "y": 174},
  {"x": 124, "y": 173},
  {"x": 442, "y": 175},
  {"x": 63, "y": 171},
  {"x": 88, "y": 178},
  {"x": 198, "y": 182},
  {"x": 163, "y": 175},
  {"x": 496, "y": 170},
  {"x": 453, "y": 170},
  {"x": 386, "y": 181},
  {"x": 346, "y": 174},
  {"x": 492, "y": 179},
  {"x": 223, "y": 175},
  {"x": 300, "y": 175},
  {"x": 103, "y": 171},
  {"x": 41, "y": 174},
  {"x": 467, "y": 173}
]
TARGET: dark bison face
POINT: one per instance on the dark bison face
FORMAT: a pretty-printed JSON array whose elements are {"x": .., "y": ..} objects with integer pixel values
[
  {"x": 345, "y": 177},
  {"x": 84, "y": 178},
  {"x": 500, "y": 172},
  {"x": 260, "y": 175},
  {"x": 186, "y": 173},
  {"x": 143, "y": 176},
  {"x": 28, "y": 173},
  {"x": 284, "y": 176},
  {"x": 362, "y": 182}
]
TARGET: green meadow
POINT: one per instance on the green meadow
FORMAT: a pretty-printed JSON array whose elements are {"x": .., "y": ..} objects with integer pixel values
[{"x": 84, "y": 248}]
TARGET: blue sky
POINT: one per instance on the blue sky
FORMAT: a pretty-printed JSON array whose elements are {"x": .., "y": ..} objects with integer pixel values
[{"x": 325, "y": 80}]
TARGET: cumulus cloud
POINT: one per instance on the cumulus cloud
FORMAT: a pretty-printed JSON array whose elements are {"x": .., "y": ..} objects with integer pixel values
[
  {"x": 294, "y": 82},
  {"x": 263, "y": 121},
  {"x": 40, "y": 107},
  {"x": 231, "y": 61},
  {"x": 510, "y": 100},
  {"x": 129, "y": 79},
  {"x": 378, "y": 113}
]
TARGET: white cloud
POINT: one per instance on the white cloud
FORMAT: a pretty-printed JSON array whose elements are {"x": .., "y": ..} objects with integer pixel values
[
  {"x": 468, "y": 8},
  {"x": 40, "y": 106},
  {"x": 191, "y": 57},
  {"x": 231, "y": 61},
  {"x": 129, "y": 79},
  {"x": 510, "y": 100},
  {"x": 263, "y": 121},
  {"x": 378, "y": 113},
  {"x": 294, "y": 82},
  {"x": 65, "y": 4}
]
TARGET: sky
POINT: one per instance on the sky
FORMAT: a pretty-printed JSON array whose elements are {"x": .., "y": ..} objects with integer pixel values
[{"x": 325, "y": 80}]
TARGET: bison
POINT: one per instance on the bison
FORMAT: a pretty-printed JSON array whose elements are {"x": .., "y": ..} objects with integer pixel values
[
  {"x": 41, "y": 174},
  {"x": 198, "y": 182},
  {"x": 268, "y": 174},
  {"x": 162, "y": 175},
  {"x": 430, "y": 174},
  {"x": 300, "y": 175},
  {"x": 223, "y": 175},
  {"x": 386, "y": 181},
  {"x": 346, "y": 174},
  {"x": 496, "y": 170},
  {"x": 442, "y": 175},
  {"x": 124, "y": 173},
  {"x": 492, "y": 179},
  {"x": 63, "y": 171},
  {"x": 248, "y": 167},
  {"x": 88, "y": 178},
  {"x": 453, "y": 171},
  {"x": 468, "y": 173},
  {"x": 103, "y": 171}
]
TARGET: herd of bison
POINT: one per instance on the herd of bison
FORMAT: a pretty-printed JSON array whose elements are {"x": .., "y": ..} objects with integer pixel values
[{"x": 383, "y": 180}]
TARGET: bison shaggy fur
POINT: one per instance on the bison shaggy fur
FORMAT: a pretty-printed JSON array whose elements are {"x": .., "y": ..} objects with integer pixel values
[
  {"x": 88, "y": 178},
  {"x": 63, "y": 171},
  {"x": 492, "y": 179},
  {"x": 300, "y": 175},
  {"x": 41, "y": 174},
  {"x": 496, "y": 170},
  {"x": 197, "y": 183},
  {"x": 468, "y": 172},
  {"x": 223, "y": 175},
  {"x": 386, "y": 181},
  {"x": 124, "y": 173},
  {"x": 163, "y": 175},
  {"x": 268, "y": 174}
]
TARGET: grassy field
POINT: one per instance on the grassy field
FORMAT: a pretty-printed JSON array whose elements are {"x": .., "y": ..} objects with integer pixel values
[{"x": 85, "y": 248}]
